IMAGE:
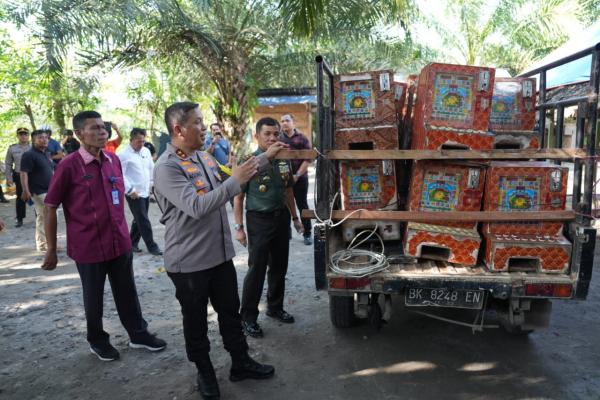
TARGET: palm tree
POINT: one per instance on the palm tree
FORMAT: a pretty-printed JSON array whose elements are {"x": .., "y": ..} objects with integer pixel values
[
  {"x": 57, "y": 26},
  {"x": 508, "y": 33}
]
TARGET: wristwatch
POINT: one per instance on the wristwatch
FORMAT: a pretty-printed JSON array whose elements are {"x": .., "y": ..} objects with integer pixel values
[{"x": 238, "y": 227}]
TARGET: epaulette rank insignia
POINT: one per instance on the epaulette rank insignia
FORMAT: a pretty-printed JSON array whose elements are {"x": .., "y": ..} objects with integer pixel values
[{"x": 180, "y": 153}]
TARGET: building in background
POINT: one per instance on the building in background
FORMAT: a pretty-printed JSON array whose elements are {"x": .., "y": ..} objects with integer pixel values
[{"x": 300, "y": 102}]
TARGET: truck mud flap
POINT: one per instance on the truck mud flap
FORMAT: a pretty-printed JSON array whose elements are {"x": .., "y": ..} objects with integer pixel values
[{"x": 586, "y": 265}]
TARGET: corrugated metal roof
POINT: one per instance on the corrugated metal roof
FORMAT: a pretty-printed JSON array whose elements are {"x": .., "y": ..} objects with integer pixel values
[{"x": 281, "y": 100}]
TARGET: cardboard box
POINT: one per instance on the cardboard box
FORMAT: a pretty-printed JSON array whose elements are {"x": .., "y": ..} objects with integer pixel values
[
  {"x": 453, "y": 107},
  {"x": 368, "y": 184},
  {"x": 516, "y": 140},
  {"x": 525, "y": 186},
  {"x": 513, "y": 105},
  {"x": 365, "y": 99},
  {"x": 443, "y": 186},
  {"x": 370, "y": 138},
  {"x": 527, "y": 253},
  {"x": 455, "y": 245}
]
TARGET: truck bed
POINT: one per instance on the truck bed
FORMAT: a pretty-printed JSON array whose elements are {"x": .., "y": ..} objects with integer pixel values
[{"x": 440, "y": 274}]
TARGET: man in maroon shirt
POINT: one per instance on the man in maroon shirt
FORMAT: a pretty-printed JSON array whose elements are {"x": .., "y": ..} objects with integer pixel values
[
  {"x": 297, "y": 141},
  {"x": 89, "y": 185}
]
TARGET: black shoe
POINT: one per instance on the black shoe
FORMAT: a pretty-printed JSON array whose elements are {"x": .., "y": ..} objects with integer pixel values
[
  {"x": 207, "y": 381},
  {"x": 247, "y": 368},
  {"x": 19, "y": 223},
  {"x": 307, "y": 240},
  {"x": 4, "y": 201},
  {"x": 155, "y": 252},
  {"x": 282, "y": 316},
  {"x": 105, "y": 352},
  {"x": 148, "y": 342},
  {"x": 136, "y": 249},
  {"x": 252, "y": 329}
]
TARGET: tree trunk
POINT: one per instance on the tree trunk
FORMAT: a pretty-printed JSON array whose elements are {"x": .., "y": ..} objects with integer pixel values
[{"x": 29, "y": 114}]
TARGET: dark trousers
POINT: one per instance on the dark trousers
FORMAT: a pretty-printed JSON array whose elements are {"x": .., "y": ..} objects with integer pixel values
[
  {"x": 141, "y": 226},
  {"x": 193, "y": 290},
  {"x": 19, "y": 204},
  {"x": 268, "y": 245},
  {"x": 120, "y": 275},
  {"x": 2, "y": 194},
  {"x": 300, "y": 194}
]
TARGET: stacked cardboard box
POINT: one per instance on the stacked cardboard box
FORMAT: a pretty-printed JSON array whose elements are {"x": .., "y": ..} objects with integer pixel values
[
  {"x": 512, "y": 119},
  {"x": 453, "y": 108},
  {"x": 439, "y": 186},
  {"x": 368, "y": 108},
  {"x": 526, "y": 246}
]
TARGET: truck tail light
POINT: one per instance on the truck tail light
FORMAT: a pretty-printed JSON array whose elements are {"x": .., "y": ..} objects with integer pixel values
[
  {"x": 549, "y": 289},
  {"x": 348, "y": 283}
]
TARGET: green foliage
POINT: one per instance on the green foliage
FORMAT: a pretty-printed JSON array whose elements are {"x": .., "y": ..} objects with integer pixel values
[{"x": 508, "y": 34}]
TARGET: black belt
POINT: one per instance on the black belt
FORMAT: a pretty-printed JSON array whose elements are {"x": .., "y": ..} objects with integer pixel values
[{"x": 275, "y": 213}]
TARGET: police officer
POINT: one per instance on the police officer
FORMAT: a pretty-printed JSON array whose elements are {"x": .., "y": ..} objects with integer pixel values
[
  {"x": 270, "y": 200},
  {"x": 198, "y": 248},
  {"x": 13, "y": 168}
]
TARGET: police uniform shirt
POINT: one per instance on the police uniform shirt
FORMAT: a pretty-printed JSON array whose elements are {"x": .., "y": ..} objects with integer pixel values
[
  {"x": 192, "y": 198},
  {"x": 13, "y": 156},
  {"x": 265, "y": 192}
]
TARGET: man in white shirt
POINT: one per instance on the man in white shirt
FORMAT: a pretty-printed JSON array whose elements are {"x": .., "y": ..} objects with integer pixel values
[{"x": 137, "y": 164}]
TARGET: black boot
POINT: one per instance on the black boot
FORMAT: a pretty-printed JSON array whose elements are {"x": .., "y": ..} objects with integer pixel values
[
  {"x": 207, "y": 380},
  {"x": 244, "y": 367}
]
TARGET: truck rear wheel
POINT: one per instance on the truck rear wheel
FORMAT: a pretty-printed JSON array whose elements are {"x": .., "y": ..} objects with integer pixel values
[{"x": 341, "y": 311}]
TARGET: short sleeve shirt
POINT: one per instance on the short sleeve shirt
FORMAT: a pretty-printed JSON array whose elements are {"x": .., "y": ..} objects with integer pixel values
[
  {"x": 39, "y": 168},
  {"x": 222, "y": 149},
  {"x": 96, "y": 225},
  {"x": 113, "y": 145},
  {"x": 265, "y": 192},
  {"x": 296, "y": 142}
]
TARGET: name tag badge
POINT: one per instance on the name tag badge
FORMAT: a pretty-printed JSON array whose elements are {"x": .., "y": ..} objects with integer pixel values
[{"x": 115, "y": 196}]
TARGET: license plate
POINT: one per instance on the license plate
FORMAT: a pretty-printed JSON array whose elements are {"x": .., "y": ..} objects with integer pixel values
[{"x": 422, "y": 297}]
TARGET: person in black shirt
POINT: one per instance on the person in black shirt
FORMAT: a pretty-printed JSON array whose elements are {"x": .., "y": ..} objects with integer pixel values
[
  {"x": 37, "y": 169},
  {"x": 152, "y": 149},
  {"x": 69, "y": 143}
]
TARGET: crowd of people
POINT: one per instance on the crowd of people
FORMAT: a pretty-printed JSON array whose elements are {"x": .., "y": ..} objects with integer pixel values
[{"x": 91, "y": 183}]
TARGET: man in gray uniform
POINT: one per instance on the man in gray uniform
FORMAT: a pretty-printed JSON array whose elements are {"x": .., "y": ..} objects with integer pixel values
[
  {"x": 13, "y": 169},
  {"x": 198, "y": 248}
]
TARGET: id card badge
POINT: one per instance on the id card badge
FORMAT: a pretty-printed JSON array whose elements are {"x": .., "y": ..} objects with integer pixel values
[{"x": 115, "y": 196}]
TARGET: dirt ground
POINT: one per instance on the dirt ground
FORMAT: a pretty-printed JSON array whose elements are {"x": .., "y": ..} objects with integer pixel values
[{"x": 44, "y": 354}]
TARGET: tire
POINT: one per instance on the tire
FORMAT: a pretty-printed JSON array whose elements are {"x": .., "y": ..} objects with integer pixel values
[{"x": 341, "y": 311}]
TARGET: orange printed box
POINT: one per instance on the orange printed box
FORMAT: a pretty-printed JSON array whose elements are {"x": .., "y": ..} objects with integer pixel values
[
  {"x": 454, "y": 245},
  {"x": 442, "y": 186},
  {"x": 527, "y": 253},
  {"x": 365, "y": 99},
  {"x": 513, "y": 105},
  {"x": 525, "y": 186},
  {"x": 369, "y": 185},
  {"x": 370, "y": 138},
  {"x": 453, "y": 107}
]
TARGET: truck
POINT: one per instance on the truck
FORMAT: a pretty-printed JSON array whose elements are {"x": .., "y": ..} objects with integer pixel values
[{"x": 518, "y": 301}]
